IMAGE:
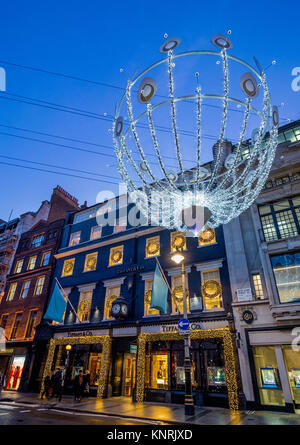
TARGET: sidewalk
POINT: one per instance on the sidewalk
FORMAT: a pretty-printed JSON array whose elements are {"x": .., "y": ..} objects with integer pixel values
[{"x": 155, "y": 412}]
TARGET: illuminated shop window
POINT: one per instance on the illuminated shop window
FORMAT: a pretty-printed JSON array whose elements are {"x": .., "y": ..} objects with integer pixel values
[
  {"x": 280, "y": 219},
  {"x": 121, "y": 224},
  {"x": 25, "y": 289},
  {"x": 31, "y": 262},
  {"x": 15, "y": 372},
  {"x": 19, "y": 266},
  {"x": 152, "y": 247},
  {"x": 159, "y": 371},
  {"x": 45, "y": 258},
  {"x": 75, "y": 239},
  {"x": 16, "y": 325},
  {"x": 116, "y": 255},
  {"x": 259, "y": 293},
  {"x": 84, "y": 305},
  {"x": 96, "y": 232},
  {"x": 211, "y": 289},
  {"x": 31, "y": 324},
  {"x": 94, "y": 368},
  {"x": 267, "y": 374},
  {"x": 286, "y": 270},
  {"x": 68, "y": 267},
  {"x": 147, "y": 299},
  {"x": 292, "y": 364},
  {"x": 12, "y": 291},
  {"x": 90, "y": 261},
  {"x": 37, "y": 241},
  {"x": 112, "y": 293},
  {"x": 178, "y": 241},
  {"x": 177, "y": 294},
  {"x": 39, "y": 285},
  {"x": 207, "y": 237}
]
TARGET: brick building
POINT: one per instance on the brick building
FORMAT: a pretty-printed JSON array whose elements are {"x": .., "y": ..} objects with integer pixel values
[{"x": 26, "y": 291}]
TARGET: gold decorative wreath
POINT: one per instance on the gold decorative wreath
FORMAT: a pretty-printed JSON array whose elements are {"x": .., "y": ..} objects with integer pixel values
[
  {"x": 176, "y": 290},
  {"x": 110, "y": 300},
  {"x": 152, "y": 248},
  {"x": 116, "y": 256},
  {"x": 91, "y": 263},
  {"x": 84, "y": 306},
  {"x": 148, "y": 294},
  {"x": 211, "y": 289},
  {"x": 68, "y": 267},
  {"x": 178, "y": 242},
  {"x": 207, "y": 236}
]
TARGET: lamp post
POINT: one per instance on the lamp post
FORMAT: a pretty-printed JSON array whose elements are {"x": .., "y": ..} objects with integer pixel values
[
  {"x": 68, "y": 349},
  {"x": 189, "y": 408}
]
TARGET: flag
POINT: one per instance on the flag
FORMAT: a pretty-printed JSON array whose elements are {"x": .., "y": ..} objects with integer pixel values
[
  {"x": 57, "y": 306},
  {"x": 159, "y": 292}
]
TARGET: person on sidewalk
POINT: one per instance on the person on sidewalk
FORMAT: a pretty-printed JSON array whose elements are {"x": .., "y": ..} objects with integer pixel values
[
  {"x": 2, "y": 381},
  {"x": 56, "y": 381},
  {"x": 87, "y": 383},
  {"x": 79, "y": 385},
  {"x": 47, "y": 387}
]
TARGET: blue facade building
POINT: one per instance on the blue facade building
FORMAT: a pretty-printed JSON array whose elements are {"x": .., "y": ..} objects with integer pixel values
[{"x": 141, "y": 355}]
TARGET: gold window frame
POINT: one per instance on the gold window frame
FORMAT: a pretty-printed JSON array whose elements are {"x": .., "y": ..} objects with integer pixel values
[
  {"x": 88, "y": 257},
  {"x": 66, "y": 262},
  {"x": 36, "y": 284},
  {"x": 148, "y": 312},
  {"x": 179, "y": 236},
  {"x": 29, "y": 262},
  {"x": 43, "y": 256},
  {"x": 13, "y": 285},
  {"x": 30, "y": 312},
  {"x": 13, "y": 325},
  {"x": 104, "y": 340},
  {"x": 154, "y": 241},
  {"x": 17, "y": 265},
  {"x": 114, "y": 261},
  {"x": 207, "y": 237}
]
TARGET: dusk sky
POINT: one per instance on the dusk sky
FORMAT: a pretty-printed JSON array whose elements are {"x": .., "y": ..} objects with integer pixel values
[{"x": 105, "y": 43}]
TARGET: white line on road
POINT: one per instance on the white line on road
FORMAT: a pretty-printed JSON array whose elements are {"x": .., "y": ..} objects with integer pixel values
[
  {"x": 43, "y": 409},
  {"x": 4, "y": 406},
  {"x": 26, "y": 411},
  {"x": 3, "y": 414}
]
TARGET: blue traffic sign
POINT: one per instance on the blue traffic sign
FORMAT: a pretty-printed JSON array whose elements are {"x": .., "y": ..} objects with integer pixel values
[{"x": 183, "y": 324}]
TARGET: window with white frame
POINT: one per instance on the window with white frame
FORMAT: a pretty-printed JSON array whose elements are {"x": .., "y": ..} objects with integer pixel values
[
  {"x": 112, "y": 293},
  {"x": 75, "y": 239},
  {"x": 121, "y": 224},
  {"x": 211, "y": 290},
  {"x": 25, "y": 289},
  {"x": 147, "y": 299},
  {"x": 96, "y": 232},
  {"x": 177, "y": 294},
  {"x": 39, "y": 285}
]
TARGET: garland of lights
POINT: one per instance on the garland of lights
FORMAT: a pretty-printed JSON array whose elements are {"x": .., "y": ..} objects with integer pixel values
[
  {"x": 231, "y": 182},
  {"x": 208, "y": 286}
]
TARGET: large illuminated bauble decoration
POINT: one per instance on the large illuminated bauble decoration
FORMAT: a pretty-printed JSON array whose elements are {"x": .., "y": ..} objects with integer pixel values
[{"x": 229, "y": 184}]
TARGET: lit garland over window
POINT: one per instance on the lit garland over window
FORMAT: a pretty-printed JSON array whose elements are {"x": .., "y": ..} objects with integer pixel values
[{"x": 229, "y": 184}]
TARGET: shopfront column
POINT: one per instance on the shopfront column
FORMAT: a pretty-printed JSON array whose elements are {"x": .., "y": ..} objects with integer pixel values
[{"x": 284, "y": 379}]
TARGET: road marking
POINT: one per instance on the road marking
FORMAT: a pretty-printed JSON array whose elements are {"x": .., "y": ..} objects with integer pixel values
[
  {"x": 104, "y": 415},
  {"x": 42, "y": 409},
  {"x": 4, "y": 406},
  {"x": 3, "y": 414},
  {"x": 26, "y": 411}
]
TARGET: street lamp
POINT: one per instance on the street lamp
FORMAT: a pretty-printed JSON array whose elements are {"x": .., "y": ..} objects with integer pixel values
[
  {"x": 189, "y": 409},
  {"x": 68, "y": 349}
]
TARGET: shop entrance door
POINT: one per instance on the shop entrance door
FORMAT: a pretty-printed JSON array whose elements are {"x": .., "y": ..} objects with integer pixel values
[{"x": 128, "y": 374}]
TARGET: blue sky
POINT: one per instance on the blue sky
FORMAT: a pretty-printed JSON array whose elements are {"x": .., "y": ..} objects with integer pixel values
[{"x": 107, "y": 42}]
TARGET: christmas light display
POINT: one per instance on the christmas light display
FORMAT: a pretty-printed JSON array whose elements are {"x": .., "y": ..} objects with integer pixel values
[{"x": 229, "y": 184}]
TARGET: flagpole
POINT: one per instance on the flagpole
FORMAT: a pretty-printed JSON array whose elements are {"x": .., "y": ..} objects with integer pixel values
[
  {"x": 68, "y": 301},
  {"x": 167, "y": 283}
]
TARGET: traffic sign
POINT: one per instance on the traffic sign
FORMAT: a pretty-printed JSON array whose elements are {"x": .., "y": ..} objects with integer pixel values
[
  {"x": 183, "y": 324},
  {"x": 186, "y": 332}
]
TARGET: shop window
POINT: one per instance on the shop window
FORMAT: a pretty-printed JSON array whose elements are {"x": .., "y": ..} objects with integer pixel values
[
  {"x": 258, "y": 289},
  {"x": 30, "y": 324},
  {"x": 37, "y": 241},
  {"x": 11, "y": 292},
  {"x": 19, "y": 266},
  {"x": 177, "y": 294},
  {"x": 147, "y": 299},
  {"x": 45, "y": 258},
  {"x": 292, "y": 364},
  {"x": 84, "y": 305},
  {"x": 96, "y": 232},
  {"x": 267, "y": 375},
  {"x": 211, "y": 290},
  {"x": 25, "y": 289},
  {"x": 90, "y": 262},
  {"x": 16, "y": 325},
  {"x": 75, "y": 239},
  {"x": 178, "y": 241},
  {"x": 31, "y": 262},
  {"x": 94, "y": 368},
  {"x": 68, "y": 267},
  {"x": 15, "y": 373},
  {"x": 39, "y": 285},
  {"x": 112, "y": 293},
  {"x": 116, "y": 256},
  {"x": 159, "y": 371},
  {"x": 121, "y": 224},
  {"x": 207, "y": 237},
  {"x": 152, "y": 247},
  {"x": 286, "y": 270}
]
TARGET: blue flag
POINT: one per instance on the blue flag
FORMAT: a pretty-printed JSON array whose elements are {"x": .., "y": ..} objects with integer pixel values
[
  {"x": 159, "y": 292},
  {"x": 57, "y": 306}
]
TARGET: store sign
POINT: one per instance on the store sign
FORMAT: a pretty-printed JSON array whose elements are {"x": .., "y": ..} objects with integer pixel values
[
  {"x": 133, "y": 349},
  {"x": 244, "y": 294},
  {"x": 131, "y": 269},
  {"x": 80, "y": 334},
  {"x": 196, "y": 325},
  {"x": 248, "y": 316}
]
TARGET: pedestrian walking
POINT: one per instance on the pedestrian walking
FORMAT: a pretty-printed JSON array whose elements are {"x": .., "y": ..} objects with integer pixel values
[
  {"x": 56, "y": 381},
  {"x": 79, "y": 385},
  {"x": 87, "y": 383},
  {"x": 47, "y": 387},
  {"x": 2, "y": 381}
]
